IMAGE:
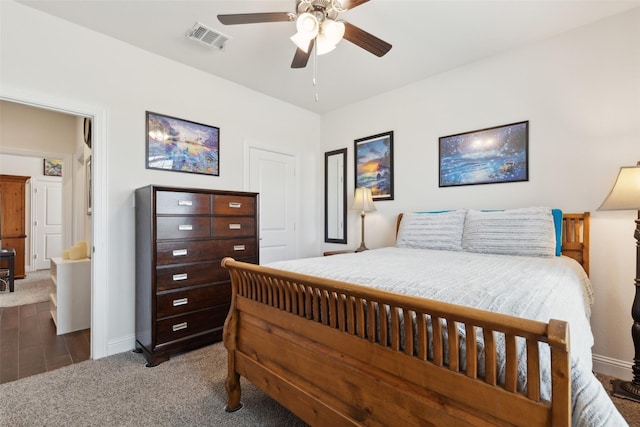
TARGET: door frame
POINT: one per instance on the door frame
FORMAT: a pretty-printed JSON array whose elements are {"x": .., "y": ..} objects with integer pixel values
[{"x": 99, "y": 270}]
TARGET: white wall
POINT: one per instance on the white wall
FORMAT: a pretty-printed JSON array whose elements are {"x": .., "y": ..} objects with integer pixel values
[
  {"x": 580, "y": 92},
  {"x": 62, "y": 61}
]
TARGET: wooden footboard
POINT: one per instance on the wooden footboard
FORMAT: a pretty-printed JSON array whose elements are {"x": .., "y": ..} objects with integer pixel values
[{"x": 341, "y": 354}]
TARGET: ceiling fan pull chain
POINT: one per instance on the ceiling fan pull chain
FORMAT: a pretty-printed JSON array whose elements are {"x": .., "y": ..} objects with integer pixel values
[{"x": 315, "y": 70}]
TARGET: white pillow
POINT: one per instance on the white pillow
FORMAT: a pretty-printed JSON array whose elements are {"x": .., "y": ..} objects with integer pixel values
[
  {"x": 528, "y": 232},
  {"x": 432, "y": 230}
]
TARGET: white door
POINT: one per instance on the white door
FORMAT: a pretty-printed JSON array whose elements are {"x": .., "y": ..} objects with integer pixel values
[
  {"x": 47, "y": 222},
  {"x": 273, "y": 176}
]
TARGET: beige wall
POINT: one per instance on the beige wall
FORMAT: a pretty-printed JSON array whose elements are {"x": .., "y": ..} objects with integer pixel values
[
  {"x": 34, "y": 129},
  {"x": 28, "y": 133}
]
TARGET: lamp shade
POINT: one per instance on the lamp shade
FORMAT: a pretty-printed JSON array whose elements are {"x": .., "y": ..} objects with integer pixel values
[
  {"x": 363, "y": 200},
  {"x": 625, "y": 194},
  {"x": 308, "y": 25},
  {"x": 332, "y": 30}
]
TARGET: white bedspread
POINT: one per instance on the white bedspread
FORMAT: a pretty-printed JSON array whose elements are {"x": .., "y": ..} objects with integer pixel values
[{"x": 528, "y": 287}]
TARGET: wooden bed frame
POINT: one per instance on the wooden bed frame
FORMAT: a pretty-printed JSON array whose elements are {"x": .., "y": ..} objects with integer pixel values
[{"x": 338, "y": 354}]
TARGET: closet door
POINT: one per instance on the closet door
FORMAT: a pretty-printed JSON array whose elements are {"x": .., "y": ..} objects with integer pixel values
[{"x": 12, "y": 194}]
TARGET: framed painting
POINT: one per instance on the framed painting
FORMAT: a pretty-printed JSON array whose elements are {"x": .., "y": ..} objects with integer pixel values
[
  {"x": 373, "y": 167},
  {"x": 486, "y": 156},
  {"x": 52, "y": 167},
  {"x": 181, "y": 145}
]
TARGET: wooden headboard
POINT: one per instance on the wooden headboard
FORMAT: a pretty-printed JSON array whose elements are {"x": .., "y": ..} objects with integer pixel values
[{"x": 575, "y": 237}]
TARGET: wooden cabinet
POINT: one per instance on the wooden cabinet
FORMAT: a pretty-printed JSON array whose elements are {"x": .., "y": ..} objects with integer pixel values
[
  {"x": 13, "y": 235},
  {"x": 182, "y": 292},
  {"x": 71, "y": 294}
]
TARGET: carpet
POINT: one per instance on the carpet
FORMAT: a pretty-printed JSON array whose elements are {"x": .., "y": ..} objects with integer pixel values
[
  {"x": 187, "y": 390},
  {"x": 629, "y": 410},
  {"x": 32, "y": 289}
]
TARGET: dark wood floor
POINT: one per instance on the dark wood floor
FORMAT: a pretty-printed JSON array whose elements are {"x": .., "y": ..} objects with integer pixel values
[{"x": 29, "y": 344}]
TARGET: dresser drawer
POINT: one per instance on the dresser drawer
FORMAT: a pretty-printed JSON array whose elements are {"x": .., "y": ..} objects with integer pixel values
[
  {"x": 233, "y": 205},
  {"x": 186, "y": 275},
  {"x": 174, "y": 328},
  {"x": 233, "y": 227},
  {"x": 182, "y": 227},
  {"x": 182, "y": 203},
  {"x": 180, "y": 302},
  {"x": 185, "y": 251}
]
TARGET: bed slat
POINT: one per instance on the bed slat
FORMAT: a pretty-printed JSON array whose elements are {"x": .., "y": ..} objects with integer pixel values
[{"x": 511, "y": 370}]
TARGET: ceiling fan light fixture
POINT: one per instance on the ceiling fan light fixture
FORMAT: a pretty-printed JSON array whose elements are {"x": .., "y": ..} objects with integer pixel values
[
  {"x": 308, "y": 25},
  {"x": 301, "y": 41},
  {"x": 332, "y": 30},
  {"x": 323, "y": 46}
]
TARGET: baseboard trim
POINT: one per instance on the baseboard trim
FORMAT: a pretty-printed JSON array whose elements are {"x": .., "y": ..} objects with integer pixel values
[
  {"x": 121, "y": 345},
  {"x": 613, "y": 367}
]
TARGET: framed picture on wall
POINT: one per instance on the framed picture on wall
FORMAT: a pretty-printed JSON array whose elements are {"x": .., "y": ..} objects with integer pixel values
[
  {"x": 374, "y": 165},
  {"x": 181, "y": 145},
  {"x": 87, "y": 131},
  {"x": 485, "y": 156},
  {"x": 52, "y": 167}
]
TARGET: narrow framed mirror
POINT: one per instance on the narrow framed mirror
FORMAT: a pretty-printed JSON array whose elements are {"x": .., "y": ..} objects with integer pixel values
[{"x": 335, "y": 196}]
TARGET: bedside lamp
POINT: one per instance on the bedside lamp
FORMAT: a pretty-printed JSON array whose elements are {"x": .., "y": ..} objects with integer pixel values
[
  {"x": 625, "y": 195},
  {"x": 363, "y": 201}
]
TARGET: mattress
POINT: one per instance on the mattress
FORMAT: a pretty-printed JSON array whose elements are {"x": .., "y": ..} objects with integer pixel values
[{"x": 538, "y": 288}]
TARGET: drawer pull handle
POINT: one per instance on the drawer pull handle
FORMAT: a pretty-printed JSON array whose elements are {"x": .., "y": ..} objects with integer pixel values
[
  {"x": 235, "y": 205},
  {"x": 182, "y": 276},
  {"x": 185, "y": 227},
  {"x": 235, "y": 226},
  {"x": 185, "y": 203},
  {"x": 181, "y": 301},
  {"x": 238, "y": 247},
  {"x": 179, "y": 326},
  {"x": 179, "y": 252}
]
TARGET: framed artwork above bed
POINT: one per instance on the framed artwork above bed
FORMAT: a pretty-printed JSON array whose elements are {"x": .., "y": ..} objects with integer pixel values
[
  {"x": 485, "y": 156},
  {"x": 373, "y": 157}
]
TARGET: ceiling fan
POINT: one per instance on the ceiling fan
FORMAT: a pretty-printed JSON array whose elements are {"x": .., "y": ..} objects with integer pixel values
[{"x": 318, "y": 26}]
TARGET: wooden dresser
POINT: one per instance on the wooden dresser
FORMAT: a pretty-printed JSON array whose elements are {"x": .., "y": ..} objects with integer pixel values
[
  {"x": 13, "y": 234},
  {"x": 182, "y": 292}
]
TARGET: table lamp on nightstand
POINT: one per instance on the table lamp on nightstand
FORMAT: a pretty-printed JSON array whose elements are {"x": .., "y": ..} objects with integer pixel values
[
  {"x": 625, "y": 195},
  {"x": 363, "y": 201}
]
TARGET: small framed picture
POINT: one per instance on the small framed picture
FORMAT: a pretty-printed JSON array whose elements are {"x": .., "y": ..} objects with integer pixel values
[
  {"x": 181, "y": 145},
  {"x": 87, "y": 131},
  {"x": 374, "y": 165},
  {"x": 52, "y": 167},
  {"x": 485, "y": 156}
]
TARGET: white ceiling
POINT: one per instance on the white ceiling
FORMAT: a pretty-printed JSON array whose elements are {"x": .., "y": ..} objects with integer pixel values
[{"x": 428, "y": 37}]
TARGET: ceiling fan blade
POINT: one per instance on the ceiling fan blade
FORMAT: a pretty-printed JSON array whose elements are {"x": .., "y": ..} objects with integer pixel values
[
  {"x": 300, "y": 58},
  {"x": 365, "y": 40},
  {"x": 255, "y": 18},
  {"x": 350, "y": 4}
]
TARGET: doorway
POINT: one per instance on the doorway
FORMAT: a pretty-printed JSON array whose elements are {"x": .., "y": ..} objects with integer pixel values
[{"x": 99, "y": 271}]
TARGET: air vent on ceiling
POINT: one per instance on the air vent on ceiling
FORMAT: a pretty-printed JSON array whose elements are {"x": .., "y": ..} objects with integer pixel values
[{"x": 208, "y": 36}]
